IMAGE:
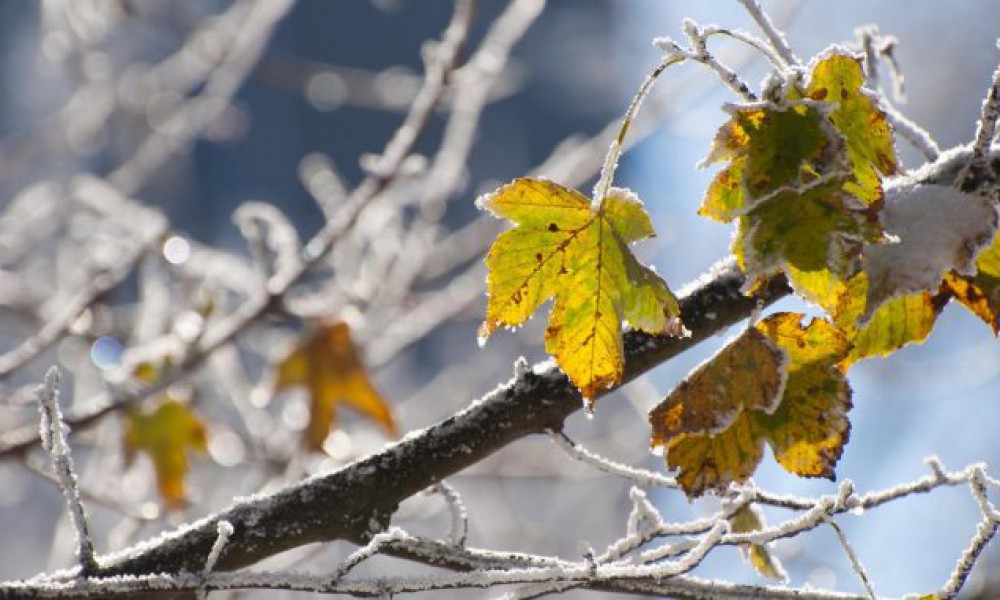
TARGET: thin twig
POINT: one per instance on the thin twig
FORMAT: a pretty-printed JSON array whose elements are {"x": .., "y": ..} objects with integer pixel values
[
  {"x": 193, "y": 117},
  {"x": 459, "y": 515},
  {"x": 987, "y": 127},
  {"x": 471, "y": 86},
  {"x": 640, "y": 476},
  {"x": 855, "y": 563},
  {"x": 986, "y": 131},
  {"x": 54, "y": 441},
  {"x": 985, "y": 531},
  {"x": 909, "y": 130},
  {"x": 373, "y": 547},
  {"x": 776, "y": 38},
  {"x": 225, "y": 530}
]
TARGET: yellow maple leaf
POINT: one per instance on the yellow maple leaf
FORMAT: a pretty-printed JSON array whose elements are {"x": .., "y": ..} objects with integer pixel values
[
  {"x": 904, "y": 320},
  {"x": 326, "y": 362},
  {"x": 166, "y": 435},
  {"x": 806, "y": 428},
  {"x": 564, "y": 249},
  {"x": 747, "y": 374}
]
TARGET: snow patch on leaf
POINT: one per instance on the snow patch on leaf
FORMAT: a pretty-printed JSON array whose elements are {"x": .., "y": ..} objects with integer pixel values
[{"x": 939, "y": 230}]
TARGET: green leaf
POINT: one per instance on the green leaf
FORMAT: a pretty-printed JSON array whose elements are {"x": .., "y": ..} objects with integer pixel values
[
  {"x": 768, "y": 147},
  {"x": 820, "y": 228},
  {"x": 563, "y": 249},
  {"x": 838, "y": 78}
]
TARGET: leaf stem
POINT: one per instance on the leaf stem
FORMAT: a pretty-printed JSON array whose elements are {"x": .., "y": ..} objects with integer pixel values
[{"x": 615, "y": 150}]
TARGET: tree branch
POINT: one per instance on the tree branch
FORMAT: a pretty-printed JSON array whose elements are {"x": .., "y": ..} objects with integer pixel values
[{"x": 358, "y": 501}]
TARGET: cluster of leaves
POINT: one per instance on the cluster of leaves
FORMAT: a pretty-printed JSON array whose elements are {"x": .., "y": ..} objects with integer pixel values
[{"x": 803, "y": 181}]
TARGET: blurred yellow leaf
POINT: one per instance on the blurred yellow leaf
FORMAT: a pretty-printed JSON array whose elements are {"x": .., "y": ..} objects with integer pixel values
[
  {"x": 749, "y": 518},
  {"x": 166, "y": 435},
  {"x": 327, "y": 364},
  {"x": 562, "y": 248},
  {"x": 806, "y": 429}
]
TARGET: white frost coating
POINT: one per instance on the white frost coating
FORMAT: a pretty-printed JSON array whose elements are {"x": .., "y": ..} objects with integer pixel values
[
  {"x": 706, "y": 278},
  {"x": 520, "y": 367},
  {"x": 607, "y": 175},
  {"x": 224, "y": 530},
  {"x": 986, "y": 129},
  {"x": 979, "y": 494},
  {"x": 52, "y": 431},
  {"x": 644, "y": 515},
  {"x": 939, "y": 229},
  {"x": 625, "y": 194},
  {"x": 307, "y": 582},
  {"x": 640, "y": 476},
  {"x": 668, "y": 47},
  {"x": 483, "y": 201},
  {"x": 459, "y": 515},
  {"x": 917, "y": 136},
  {"x": 269, "y": 231},
  {"x": 373, "y": 547},
  {"x": 688, "y": 561},
  {"x": 934, "y": 463},
  {"x": 984, "y": 533},
  {"x": 776, "y": 38}
]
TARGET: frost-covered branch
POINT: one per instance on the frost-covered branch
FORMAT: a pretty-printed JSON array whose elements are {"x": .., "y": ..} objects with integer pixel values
[
  {"x": 680, "y": 586},
  {"x": 986, "y": 131},
  {"x": 660, "y": 570},
  {"x": 53, "y": 434},
  {"x": 767, "y": 26},
  {"x": 367, "y": 492}
]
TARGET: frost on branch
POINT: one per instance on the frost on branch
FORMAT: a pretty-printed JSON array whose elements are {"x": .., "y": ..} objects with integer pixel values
[{"x": 53, "y": 434}]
